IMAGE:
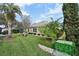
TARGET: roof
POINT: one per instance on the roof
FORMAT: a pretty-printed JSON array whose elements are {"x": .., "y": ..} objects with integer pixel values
[
  {"x": 2, "y": 26},
  {"x": 42, "y": 23}
]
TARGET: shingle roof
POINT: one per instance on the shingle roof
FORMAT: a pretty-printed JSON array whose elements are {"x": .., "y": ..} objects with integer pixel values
[{"x": 43, "y": 23}]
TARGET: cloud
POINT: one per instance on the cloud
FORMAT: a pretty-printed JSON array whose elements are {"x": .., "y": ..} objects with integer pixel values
[
  {"x": 42, "y": 16},
  {"x": 52, "y": 11},
  {"x": 29, "y": 4},
  {"x": 42, "y": 19},
  {"x": 19, "y": 4},
  {"x": 25, "y": 13},
  {"x": 22, "y": 7},
  {"x": 56, "y": 10},
  {"x": 23, "y": 4}
]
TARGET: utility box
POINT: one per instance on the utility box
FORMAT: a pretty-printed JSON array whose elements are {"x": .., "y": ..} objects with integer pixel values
[{"x": 67, "y": 47}]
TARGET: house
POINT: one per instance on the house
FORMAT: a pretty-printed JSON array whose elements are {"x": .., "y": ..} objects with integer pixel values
[
  {"x": 1, "y": 28},
  {"x": 34, "y": 28}
]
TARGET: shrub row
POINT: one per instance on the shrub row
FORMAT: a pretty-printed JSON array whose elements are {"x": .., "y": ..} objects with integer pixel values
[{"x": 13, "y": 31}]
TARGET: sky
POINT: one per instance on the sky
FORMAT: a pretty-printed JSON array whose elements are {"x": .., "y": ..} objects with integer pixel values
[{"x": 41, "y": 11}]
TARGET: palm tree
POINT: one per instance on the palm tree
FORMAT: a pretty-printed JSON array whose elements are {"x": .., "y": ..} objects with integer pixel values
[
  {"x": 71, "y": 21},
  {"x": 51, "y": 29},
  {"x": 26, "y": 22},
  {"x": 9, "y": 10},
  {"x": 2, "y": 19}
]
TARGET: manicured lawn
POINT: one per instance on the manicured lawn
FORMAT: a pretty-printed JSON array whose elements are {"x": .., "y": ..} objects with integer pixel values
[
  {"x": 46, "y": 42},
  {"x": 20, "y": 45}
]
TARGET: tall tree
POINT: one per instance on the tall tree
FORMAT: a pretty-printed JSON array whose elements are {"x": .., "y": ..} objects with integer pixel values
[
  {"x": 9, "y": 10},
  {"x": 51, "y": 28},
  {"x": 2, "y": 19},
  {"x": 71, "y": 21},
  {"x": 26, "y": 22},
  {"x": 19, "y": 26}
]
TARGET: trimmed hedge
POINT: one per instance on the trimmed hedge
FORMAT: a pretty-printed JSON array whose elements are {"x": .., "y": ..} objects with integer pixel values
[
  {"x": 65, "y": 46},
  {"x": 15, "y": 31}
]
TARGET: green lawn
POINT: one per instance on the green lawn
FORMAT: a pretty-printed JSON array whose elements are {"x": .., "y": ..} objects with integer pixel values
[
  {"x": 20, "y": 45},
  {"x": 46, "y": 42}
]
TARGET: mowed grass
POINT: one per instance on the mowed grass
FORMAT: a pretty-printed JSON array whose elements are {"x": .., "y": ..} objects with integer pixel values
[
  {"x": 21, "y": 46},
  {"x": 46, "y": 42}
]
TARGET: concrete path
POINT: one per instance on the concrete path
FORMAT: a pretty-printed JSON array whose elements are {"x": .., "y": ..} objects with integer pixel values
[
  {"x": 2, "y": 35},
  {"x": 44, "y": 48}
]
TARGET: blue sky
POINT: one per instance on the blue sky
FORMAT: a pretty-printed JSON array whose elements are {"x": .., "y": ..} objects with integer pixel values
[{"x": 41, "y": 11}]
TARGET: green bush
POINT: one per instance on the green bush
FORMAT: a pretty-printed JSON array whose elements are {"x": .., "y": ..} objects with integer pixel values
[
  {"x": 65, "y": 46},
  {"x": 45, "y": 42},
  {"x": 15, "y": 31}
]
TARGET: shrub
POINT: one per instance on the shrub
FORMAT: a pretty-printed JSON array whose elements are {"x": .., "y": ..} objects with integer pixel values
[{"x": 15, "y": 31}]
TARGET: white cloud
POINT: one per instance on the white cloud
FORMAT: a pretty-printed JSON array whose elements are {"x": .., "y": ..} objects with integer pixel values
[
  {"x": 25, "y": 13},
  {"x": 22, "y": 6},
  {"x": 42, "y": 19},
  {"x": 19, "y": 4},
  {"x": 42, "y": 16},
  {"x": 28, "y": 4},
  {"x": 56, "y": 10}
]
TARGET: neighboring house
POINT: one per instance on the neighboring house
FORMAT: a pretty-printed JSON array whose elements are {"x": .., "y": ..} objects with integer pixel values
[
  {"x": 6, "y": 29},
  {"x": 1, "y": 28},
  {"x": 34, "y": 28}
]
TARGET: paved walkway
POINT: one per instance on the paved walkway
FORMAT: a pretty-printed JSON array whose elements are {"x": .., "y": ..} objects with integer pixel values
[
  {"x": 44, "y": 48},
  {"x": 1, "y": 36}
]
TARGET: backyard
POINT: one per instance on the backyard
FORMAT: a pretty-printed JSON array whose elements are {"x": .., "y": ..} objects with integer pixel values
[{"x": 20, "y": 45}]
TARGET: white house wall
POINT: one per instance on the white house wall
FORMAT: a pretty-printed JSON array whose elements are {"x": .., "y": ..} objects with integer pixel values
[{"x": 31, "y": 30}]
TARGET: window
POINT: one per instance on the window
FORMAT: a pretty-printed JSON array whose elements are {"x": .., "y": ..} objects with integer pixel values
[{"x": 34, "y": 29}]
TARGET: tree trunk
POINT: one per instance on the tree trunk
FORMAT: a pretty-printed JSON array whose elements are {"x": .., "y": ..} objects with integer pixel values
[
  {"x": 9, "y": 30},
  {"x": 70, "y": 12},
  {"x": 71, "y": 23}
]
